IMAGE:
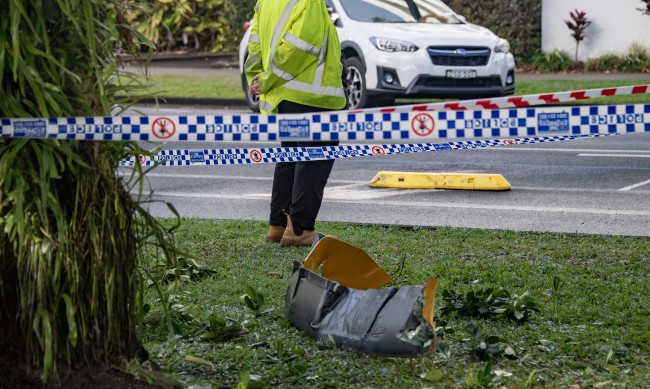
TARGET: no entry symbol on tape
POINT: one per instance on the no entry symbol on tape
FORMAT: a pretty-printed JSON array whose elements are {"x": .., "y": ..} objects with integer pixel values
[
  {"x": 163, "y": 128},
  {"x": 423, "y": 124},
  {"x": 256, "y": 156}
]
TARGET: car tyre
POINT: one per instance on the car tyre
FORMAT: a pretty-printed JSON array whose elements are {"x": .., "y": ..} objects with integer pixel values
[
  {"x": 252, "y": 101},
  {"x": 357, "y": 93}
]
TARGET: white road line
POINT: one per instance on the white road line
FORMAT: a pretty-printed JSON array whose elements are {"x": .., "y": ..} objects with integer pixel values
[
  {"x": 243, "y": 196},
  {"x": 409, "y": 191},
  {"x": 614, "y": 155},
  {"x": 215, "y": 177},
  {"x": 203, "y": 176},
  {"x": 353, "y": 192},
  {"x": 491, "y": 207},
  {"x": 334, "y": 193},
  {"x": 634, "y": 186},
  {"x": 573, "y": 190},
  {"x": 517, "y": 148}
]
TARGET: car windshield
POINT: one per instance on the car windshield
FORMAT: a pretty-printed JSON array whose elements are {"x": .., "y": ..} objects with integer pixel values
[{"x": 400, "y": 11}]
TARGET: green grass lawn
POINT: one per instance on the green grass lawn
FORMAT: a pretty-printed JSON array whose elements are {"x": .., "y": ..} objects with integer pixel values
[
  {"x": 527, "y": 87},
  {"x": 592, "y": 330},
  {"x": 592, "y": 291},
  {"x": 219, "y": 87},
  {"x": 230, "y": 87}
]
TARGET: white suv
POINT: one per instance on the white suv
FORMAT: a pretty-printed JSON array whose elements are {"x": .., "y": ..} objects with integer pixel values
[{"x": 413, "y": 48}]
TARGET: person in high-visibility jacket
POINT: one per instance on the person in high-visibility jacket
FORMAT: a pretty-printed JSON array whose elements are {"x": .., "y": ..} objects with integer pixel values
[{"x": 294, "y": 65}]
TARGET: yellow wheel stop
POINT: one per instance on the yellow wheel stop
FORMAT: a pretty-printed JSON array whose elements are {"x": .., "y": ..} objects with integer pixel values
[{"x": 460, "y": 181}]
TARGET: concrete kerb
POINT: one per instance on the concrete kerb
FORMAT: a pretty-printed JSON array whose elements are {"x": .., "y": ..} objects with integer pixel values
[
  {"x": 192, "y": 101},
  {"x": 220, "y": 58}
]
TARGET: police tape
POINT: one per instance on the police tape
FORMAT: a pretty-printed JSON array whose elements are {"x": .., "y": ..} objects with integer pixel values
[
  {"x": 342, "y": 125},
  {"x": 519, "y": 101},
  {"x": 245, "y": 156}
]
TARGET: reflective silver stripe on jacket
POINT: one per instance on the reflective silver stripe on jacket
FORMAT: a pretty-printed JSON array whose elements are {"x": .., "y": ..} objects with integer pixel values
[
  {"x": 254, "y": 38},
  {"x": 266, "y": 107},
  {"x": 318, "y": 76},
  {"x": 282, "y": 21},
  {"x": 281, "y": 73},
  {"x": 251, "y": 60},
  {"x": 315, "y": 87},
  {"x": 301, "y": 44}
]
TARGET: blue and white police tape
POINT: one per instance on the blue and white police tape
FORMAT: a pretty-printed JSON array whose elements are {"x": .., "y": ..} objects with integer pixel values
[
  {"x": 342, "y": 126},
  {"x": 246, "y": 156}
]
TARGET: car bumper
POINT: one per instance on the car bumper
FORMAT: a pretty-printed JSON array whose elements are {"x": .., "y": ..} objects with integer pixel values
[
  {"x": 445, "y": 87},
  {"x": 431, "y": 86},
  {"x": 413, "y": 75}
]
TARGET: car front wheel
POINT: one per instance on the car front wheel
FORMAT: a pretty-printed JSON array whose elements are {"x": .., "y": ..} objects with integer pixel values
[
  {"x": 252, "y": 101},
  {"x": 357, "y": 93}
]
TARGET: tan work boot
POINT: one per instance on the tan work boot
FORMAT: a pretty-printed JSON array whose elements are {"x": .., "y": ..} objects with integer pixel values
[
  {"x": 274, "y": 235},
  {"x": 291, "y": 239}
]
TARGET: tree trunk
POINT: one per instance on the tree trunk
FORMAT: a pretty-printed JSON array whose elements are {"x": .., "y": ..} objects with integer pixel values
[{"x": 69, "y": 232}]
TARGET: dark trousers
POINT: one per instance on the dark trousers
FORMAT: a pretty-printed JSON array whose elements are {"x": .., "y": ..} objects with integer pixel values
[{"x": 298, "y": 186}]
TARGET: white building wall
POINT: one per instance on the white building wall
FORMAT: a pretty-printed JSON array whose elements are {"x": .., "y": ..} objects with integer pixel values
[{"x": 615, "y": 24}]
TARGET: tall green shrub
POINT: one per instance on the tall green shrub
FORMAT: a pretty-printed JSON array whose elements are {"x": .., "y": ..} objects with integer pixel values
[
  {"x": 517, "y": 21},
  {"x": 203, "y": 25},
  {"x": 70, "y": 233},
  {"x": 637, "y": 58},
  {"x": 552, "y": 61}
]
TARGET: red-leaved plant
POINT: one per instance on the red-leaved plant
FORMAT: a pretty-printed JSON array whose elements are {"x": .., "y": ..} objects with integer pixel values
[{"x": 578, "y": 24}]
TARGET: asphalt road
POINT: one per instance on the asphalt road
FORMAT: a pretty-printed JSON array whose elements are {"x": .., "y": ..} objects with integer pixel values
[{"x": 590, "y": 186}]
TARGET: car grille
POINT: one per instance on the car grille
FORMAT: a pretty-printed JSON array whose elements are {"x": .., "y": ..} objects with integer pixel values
[
  {"x": 459, "y": 56},
  {"x": 433, "y": 82}
]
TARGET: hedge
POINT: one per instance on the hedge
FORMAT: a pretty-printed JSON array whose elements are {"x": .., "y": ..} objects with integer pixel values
[
  {"x": 518, "y": 21},
  {"x": 216, "y": 25},
  {"x": 201, "y": 25}
]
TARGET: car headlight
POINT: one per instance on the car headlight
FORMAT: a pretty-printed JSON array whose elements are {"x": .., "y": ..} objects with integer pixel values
[
  {"x": 502, "y": 46},
  {"x": 392, "y": 45}
]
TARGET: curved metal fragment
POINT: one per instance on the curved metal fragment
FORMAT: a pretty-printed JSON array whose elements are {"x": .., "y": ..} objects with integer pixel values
[{"x": 391, "y": 321}]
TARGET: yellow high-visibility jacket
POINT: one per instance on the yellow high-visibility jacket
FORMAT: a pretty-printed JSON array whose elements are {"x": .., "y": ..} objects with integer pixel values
[{"x": 294, "y": 51}]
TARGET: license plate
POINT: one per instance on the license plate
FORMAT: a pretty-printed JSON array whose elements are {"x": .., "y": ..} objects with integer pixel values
[{"x": 457, "y": 73}]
